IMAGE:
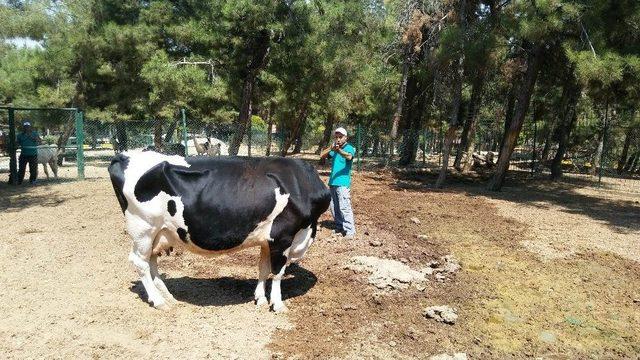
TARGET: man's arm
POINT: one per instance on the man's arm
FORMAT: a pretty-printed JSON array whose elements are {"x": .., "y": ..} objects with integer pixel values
[
  {"x": 325, "y": 152},
  {"x": 345, "y": 154}
]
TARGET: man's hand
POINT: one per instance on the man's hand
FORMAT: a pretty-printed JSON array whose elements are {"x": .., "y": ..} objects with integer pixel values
[{"x": 325, "y": 152}]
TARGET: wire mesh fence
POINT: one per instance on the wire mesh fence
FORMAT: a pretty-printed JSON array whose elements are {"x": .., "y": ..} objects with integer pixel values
[
  {"x": 610, "y": 160},
  {"x": 37, "y": 143},
  {"x": 84, "y": 147}
]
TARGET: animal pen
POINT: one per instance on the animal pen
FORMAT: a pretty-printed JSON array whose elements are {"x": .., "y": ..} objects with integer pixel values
[
  {"x": 79, "y": 142},
  {"x": 59, "y": 128}
]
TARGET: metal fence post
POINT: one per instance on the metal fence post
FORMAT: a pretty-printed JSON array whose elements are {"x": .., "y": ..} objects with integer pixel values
[
  {"x": 80, "y": 143},
  {"x": 358, "y": 144},
  {"x": 13, "y": 164},
  {"x": 184, "y": 131}
]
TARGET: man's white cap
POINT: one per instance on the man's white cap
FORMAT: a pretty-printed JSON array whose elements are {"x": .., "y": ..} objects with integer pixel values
[
  {"x": 341, "y": 130},
  {"x": 26, "y": 123}
]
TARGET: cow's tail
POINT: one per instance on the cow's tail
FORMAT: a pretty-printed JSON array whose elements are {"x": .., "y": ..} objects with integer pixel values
[{"x": 116, "y": 173}]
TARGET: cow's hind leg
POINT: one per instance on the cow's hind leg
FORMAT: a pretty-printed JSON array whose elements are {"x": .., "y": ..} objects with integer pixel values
[
  {"x": 278, "y": 266},
  {"x": 265, "y": 269},
  {"x": 140, "y": 257},
  {"x": 46, "y": 172},
  {"x": 157, "y": 280},
  {"x": 277, "y": 304}
]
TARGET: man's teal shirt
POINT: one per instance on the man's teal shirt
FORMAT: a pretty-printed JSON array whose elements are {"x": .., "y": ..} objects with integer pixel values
[
  {"x": 341, "y": 168},
  {"x": 28, "y": 144}
]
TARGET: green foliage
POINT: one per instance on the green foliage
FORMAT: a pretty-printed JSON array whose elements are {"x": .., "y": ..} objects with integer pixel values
[{"x": 340, "y": 60}]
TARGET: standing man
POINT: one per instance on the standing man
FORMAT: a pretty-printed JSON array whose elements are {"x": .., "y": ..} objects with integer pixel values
[
  {"x": 28, "y": 141},
  {"x": 342, "y": 154}
]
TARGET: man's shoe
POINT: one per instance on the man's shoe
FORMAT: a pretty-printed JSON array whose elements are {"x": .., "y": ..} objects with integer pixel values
[{"x": 349, "y": 236}]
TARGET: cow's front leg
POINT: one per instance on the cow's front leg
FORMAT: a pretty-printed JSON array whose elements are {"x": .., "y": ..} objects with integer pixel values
[
  {"x": 141, "y": 262},
  {"x": 264, "y": 270},
  {"x": 157, "y": 280}
]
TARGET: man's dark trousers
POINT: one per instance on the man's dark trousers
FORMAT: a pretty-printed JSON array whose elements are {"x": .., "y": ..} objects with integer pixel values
[{"x": 33, "y": 167}]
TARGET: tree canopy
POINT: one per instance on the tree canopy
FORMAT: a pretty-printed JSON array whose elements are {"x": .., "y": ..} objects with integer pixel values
[{"x": 477, "y": 70}]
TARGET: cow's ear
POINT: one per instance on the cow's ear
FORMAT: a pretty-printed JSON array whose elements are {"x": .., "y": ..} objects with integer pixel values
[{"x": 154, "y": 181}]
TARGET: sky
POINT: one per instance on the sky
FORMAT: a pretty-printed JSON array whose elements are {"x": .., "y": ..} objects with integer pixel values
[{"x": 23, "y": 42}]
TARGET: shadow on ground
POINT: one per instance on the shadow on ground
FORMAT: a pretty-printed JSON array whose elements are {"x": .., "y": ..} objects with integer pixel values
[
  {"x": 19, "y": 197},
  {"x": 622, "y": 215},
  {"x": 231, "y": 291}
]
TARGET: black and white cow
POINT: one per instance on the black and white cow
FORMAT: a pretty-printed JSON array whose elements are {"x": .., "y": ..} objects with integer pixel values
[{"x": 215, "y": 206}]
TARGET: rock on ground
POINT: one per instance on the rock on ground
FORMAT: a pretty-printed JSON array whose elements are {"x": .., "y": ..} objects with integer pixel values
[
  {"x": 456, "y": 356},
  {"x": 441, "y": 313},
  {"x": 446, "y": 264},
  {"x": 386, "y": 273}
]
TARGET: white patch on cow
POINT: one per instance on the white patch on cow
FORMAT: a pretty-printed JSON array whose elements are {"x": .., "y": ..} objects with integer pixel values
[
  {"x": 301, "y": 242},
  {"x": 263, "y": 230},
  {"x": 139, "y": 163},
  {"x": 150, "y": 225}
]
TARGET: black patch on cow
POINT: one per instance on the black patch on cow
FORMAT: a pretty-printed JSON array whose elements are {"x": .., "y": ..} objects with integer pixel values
[
  {"x": 116, "y": 173},
  {"x": 154, "y": 181},
  {"x": 171, "y": 207},
  {"x": 182, "y": 233}
]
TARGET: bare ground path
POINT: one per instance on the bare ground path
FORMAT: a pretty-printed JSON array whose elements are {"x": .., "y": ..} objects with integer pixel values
[{"x": 547, "y": 271}]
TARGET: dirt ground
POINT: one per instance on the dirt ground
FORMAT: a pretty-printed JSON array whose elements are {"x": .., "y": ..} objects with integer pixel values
[{"x": 548, "y": 271}]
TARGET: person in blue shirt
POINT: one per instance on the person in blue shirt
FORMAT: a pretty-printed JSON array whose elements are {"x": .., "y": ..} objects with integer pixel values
[
  {"x": 342, "y": 154},
  {"x": 28, "y": 141}
]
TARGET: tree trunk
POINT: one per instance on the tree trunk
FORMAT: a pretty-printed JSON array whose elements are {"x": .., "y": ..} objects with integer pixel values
[
  {"x": 376, "y": 145},
  {"x": 454, "y": 122},
  {"x": 598, "y": 154},
  {"x": 411, "y": 118},
  {"x": 467, "y": 142},
  {"x": 168, "y": 137},
  {"x": 326, "y": 135},
  {"x": 241, "y": 122},
  {"x": 297, "y": 147},
  {"x": 122, "y": 137},
  {"x": 401, "y": 96},
  {"x": 510, "y": 108},
  {"x": 544, "y": 156},
  {"x": 633, "y": 162},
  {"x": 568, "y": 117},
  {"x": 563, "y": 142},
  {"x": 269, "y": 128},
  {"x": 157, "y": 135},
  {"x": 293, "y": 134},
  {"x": 625, "y": 150},
  {"x": 68, "y": 129},
  {"x": 511, "y": 137}
]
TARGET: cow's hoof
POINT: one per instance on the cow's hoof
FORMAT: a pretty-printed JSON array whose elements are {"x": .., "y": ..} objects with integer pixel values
[
  {"x": 172, "y": 301},
  {"x": 162, "y": 305},
  {"x": 261, "y": 301},
  {"x": 279, "y": 308}
]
